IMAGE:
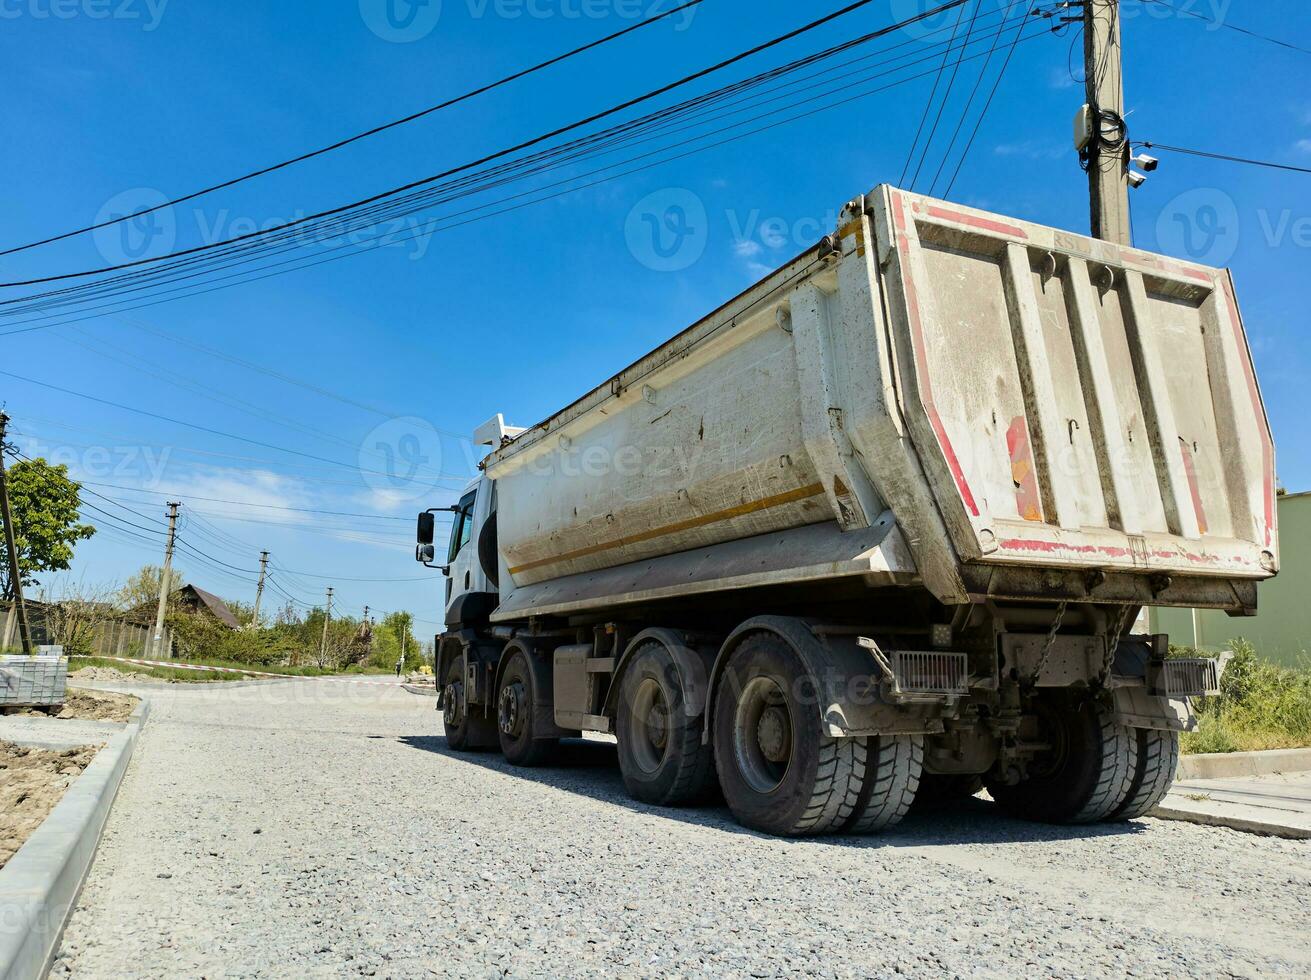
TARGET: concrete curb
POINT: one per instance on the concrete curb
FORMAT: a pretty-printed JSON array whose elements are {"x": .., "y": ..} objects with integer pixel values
[
  {"x": 424, "y": 689},
  {"x": 40, "y": 884},
  {"x": 1251, "y": 820},
  {"x": 1235, "y": 765}
]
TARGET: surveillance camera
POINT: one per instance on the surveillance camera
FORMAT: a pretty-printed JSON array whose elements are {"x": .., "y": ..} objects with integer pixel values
[
  {"x": 1148, "y": 163},
  {"x": 1136, "y": 179}
]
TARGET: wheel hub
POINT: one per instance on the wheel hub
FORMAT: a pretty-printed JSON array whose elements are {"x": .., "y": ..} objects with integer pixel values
[
  {"x": 773, "y": 733},
  {"x": 453, "y": 704},
  {"x": 510, "y": 709}
]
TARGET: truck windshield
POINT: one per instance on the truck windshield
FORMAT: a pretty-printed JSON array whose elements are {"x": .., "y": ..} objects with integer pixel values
[{"x": 462, "y": 526}]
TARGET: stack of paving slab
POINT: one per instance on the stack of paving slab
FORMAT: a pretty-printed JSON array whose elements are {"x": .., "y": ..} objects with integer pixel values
[{"x": 32, "y": 681}]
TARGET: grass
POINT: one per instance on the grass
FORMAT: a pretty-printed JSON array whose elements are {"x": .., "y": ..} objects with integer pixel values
[
  {"x": 198, "y": 676},
  {"x": 1261, "y": 705}
]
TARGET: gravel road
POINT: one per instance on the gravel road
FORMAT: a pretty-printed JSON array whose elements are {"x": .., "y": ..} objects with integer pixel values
[{"x": 321, "y": 828}]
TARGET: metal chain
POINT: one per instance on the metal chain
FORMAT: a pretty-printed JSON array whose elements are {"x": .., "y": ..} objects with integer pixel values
[
  {"x": 1113, "y": 641},
  {"x": 1051, "y": 642}
]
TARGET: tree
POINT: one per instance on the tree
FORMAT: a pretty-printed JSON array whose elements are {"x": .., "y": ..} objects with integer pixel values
[
  {"x": 45, "y": 505},
  {"x": 387, "y": 642},
  {"x": 143, "y": 586}
]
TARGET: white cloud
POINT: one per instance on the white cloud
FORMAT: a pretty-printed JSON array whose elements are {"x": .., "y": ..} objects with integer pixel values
[
  {"x": 746, "y": 247},
  {"x": 1059, "y": 78},
  {"x": 1303, "y": 146}
]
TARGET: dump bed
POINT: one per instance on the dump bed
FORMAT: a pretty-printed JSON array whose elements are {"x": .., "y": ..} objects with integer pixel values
[{"x": 934, "y": 395}]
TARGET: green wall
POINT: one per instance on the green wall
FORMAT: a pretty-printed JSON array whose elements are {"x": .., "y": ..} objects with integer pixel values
[{"x": 1281, "y": 629}]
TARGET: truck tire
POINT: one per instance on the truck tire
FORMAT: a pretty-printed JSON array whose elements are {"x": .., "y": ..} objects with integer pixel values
[
  {"x": 660, "y": 752},
  {"x": 1158, "y": 758},
  {"x": 515, "y": 709},
  {"x": 893, "y": 766},
  {"x": 464, "y": 732},
  {"x": 780, "y": 772},
  {"x": 1084, "y": 777}
]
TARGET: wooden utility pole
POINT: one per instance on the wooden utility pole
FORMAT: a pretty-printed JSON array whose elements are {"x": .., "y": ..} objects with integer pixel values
[
  {"x": 11, "y": 546},
  {"x": 1108, "y": 151},
  {"x": 259, "y": 588},
  {"x": 158, "y": 638},
  {"x": 323, "y": 643}
]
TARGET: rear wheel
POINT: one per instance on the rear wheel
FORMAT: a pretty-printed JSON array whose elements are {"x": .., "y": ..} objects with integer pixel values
[
  {"x": 515, "y": 715},
  {"x": 1085, "y": 772},
  {"x": 660, "y": 751},
  {"x": 1158, "y": 758},
  {"x": 465, "y": 729},
  {"x": 893, "y": 766},
  {"x": 779, "y": 771}
]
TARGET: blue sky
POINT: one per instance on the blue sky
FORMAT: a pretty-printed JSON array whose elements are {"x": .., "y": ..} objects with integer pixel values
[{"x": 112, "y": 103}]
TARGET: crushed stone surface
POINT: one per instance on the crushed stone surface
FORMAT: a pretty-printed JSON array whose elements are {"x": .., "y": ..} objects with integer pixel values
[{"x": 323, "y": 829}]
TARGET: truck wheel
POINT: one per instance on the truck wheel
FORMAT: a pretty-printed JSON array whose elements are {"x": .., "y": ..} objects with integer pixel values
[
  {"x": 515, "y": 709},
  {"x": 660, "y": 751},
  {"x": 464, "y": 731},
  {"x": 1085, "y": 774},
  {"x": 1158, "y": 758},
  {"x": 893, "y": 766},
  {"x": 779, "y": 771}
]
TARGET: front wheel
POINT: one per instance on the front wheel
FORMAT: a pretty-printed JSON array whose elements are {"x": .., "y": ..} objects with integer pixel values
[
  {"x": 780, "y": 772},
  {"x": 466, "y": 726}
]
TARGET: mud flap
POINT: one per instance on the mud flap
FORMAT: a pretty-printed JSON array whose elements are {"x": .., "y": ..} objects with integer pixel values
[{"x": 1136, "y": 707}]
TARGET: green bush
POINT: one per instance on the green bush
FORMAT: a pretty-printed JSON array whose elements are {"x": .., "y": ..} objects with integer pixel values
[{"x": 1261, "y": 705}]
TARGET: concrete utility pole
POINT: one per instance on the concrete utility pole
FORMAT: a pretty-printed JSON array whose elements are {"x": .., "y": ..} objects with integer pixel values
[
  {"x": 259, "y": 588},
  {"x": 1108, "y": 151},
  {"x": 327, "y": 615},
  {"x": 11, "y": 546},
  {"x": 158, "y": 639}
]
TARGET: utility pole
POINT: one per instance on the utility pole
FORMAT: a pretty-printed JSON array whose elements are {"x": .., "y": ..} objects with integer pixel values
[
  {"x": 259, "y": 589},
  {"x": 158, "y": 639},
  {"x": 11, "y": 546},
  {"x": 1107, "y": 151},
  {"x": 323, "y": 644}
]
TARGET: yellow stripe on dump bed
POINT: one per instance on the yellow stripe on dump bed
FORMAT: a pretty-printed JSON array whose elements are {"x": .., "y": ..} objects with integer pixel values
[{"x": 764, "y": 503}]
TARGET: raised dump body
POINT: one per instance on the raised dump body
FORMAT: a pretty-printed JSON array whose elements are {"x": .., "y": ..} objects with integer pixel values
[
  {"x": 997, "y": 407},
  {"x": 877, "y": 528}
]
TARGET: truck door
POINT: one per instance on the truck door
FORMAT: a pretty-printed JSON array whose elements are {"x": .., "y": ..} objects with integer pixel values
[{"x": 470, "y": 594}]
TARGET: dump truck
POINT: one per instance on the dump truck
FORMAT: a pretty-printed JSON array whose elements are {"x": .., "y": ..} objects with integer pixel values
[{"x": 879, "y": 527}]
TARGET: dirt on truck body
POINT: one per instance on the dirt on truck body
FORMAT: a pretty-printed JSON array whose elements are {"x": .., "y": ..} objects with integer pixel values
[{"x": 878, "y": 526}]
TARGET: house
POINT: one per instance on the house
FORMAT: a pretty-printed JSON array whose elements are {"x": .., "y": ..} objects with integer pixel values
[{"x": 192, "y": 601}]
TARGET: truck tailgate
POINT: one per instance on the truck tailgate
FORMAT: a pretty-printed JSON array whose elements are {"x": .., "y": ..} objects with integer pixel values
[{"x": 1074, "y": 402}]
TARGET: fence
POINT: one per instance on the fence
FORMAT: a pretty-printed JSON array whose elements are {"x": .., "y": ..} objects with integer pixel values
[{"x": 97, "y": 634}]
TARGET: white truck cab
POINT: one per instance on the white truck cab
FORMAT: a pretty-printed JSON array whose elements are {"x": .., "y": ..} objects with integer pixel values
[{"x": 471, "y": 566}]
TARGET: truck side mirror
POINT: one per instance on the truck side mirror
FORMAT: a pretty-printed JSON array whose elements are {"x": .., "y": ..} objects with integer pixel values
[
  {"x": 424, "y": 553},
  {"x": 426, "y": 531}
]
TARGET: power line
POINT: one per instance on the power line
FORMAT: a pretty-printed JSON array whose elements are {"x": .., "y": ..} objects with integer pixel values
[
  {"x": 242, "y": 503},
  {"x": 559, "y": 131},
  {"x": 1225, "y": 157},
  {"x": 447, "y": 222},
  {"x": 1232, "y": 27},
  {"x": 986, "y": 106},
  {"x": 367, "y": 133}
]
